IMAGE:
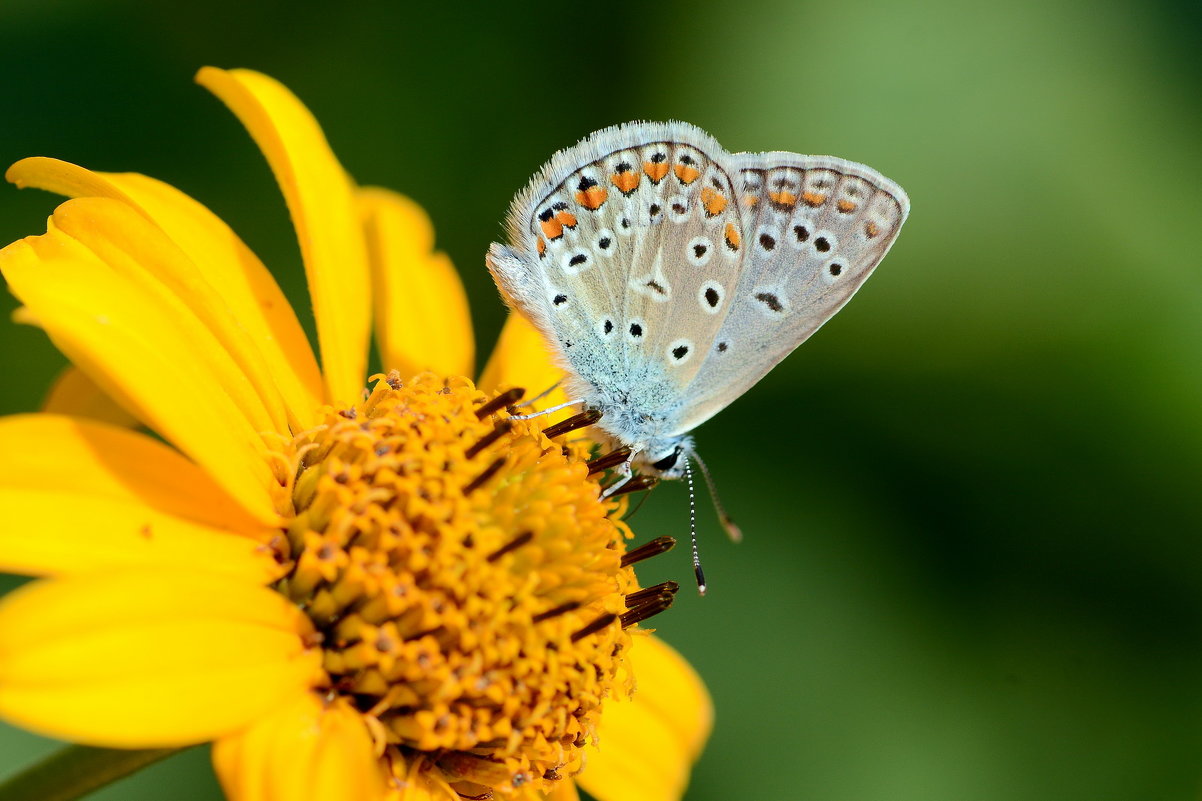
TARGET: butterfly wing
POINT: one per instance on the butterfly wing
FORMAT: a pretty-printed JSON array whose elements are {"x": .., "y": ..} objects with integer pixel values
[
  {"x": 623, "y": 253},
  {"x": 814, "y": 228}
]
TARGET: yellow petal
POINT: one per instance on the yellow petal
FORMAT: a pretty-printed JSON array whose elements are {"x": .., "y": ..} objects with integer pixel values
[
  {"x": 321, "y": 199},
  {"x": 308, "y": 750},
  {"x": 521, "y": 359},
  {"x": 422, "y": 320},
  {"x": 140, "y": 252},
  {"x": 75, "y": 395},
  {"x": 83, "y": 496},
  {"x": 149, "y": 658},
  {"x": 226, "y": 263},
  {"x": 147, "y": 358},
  {"x": 648, "y": 744}
]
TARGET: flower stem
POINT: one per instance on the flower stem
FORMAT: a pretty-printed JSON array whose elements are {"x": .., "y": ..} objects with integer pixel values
[{"x": 77, "y": 770}]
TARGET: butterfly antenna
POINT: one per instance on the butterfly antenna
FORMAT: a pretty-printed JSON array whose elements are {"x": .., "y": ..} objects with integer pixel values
[
  {"x": 540, "y": 396},
  {"x": 697, "y": 571},
  {"x": 734, "y": 532}
]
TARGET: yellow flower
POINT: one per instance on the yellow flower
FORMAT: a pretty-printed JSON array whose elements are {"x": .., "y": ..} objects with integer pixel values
[{"x": 357, "y": 588}]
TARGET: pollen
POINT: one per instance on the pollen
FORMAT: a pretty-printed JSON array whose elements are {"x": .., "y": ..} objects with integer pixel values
[{"x": 472, "y": 593}]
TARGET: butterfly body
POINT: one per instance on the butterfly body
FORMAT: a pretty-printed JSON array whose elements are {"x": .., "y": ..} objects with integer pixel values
[{"x": 669, "y": 276}]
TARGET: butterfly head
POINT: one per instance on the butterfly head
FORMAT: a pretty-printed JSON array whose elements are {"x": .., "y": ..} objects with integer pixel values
[{"x": 667, "y": 458}]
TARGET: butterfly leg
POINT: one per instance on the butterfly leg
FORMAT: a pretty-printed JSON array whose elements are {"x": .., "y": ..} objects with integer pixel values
[
  {"x": 546, "y": 411},
  {"x": 624, "y": 471}
]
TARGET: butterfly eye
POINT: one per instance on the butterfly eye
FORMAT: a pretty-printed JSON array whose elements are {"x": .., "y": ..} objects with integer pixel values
[{"x": 668, "y": 462}]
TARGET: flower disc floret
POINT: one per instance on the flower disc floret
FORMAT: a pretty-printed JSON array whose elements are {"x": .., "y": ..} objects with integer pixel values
[{"x": 466, "y": 580}]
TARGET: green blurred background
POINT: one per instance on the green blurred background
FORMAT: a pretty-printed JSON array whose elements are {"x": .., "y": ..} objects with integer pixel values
[{"x": 973, "y": 566}]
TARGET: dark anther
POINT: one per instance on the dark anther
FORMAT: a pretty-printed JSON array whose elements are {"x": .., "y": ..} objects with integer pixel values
[
  {"x": 500, "y": 402},
  {"x": 490, "y": 471},
  {"x": 501, "y": 429},
  {"x": 644, "y": 595},
  {"x": 650, "y": 609},
  {"x": 648, "y": 549},
  {"x": 556, "y": 611},
  {"x": 636, "y": 484},
  {"x": 585, "y": 418},
  {"x": 394, "y": 379},
  {"x": 595, "y": 626},
  {"x": 513, "y": 544},
  {"x": 611, "y": 459}
]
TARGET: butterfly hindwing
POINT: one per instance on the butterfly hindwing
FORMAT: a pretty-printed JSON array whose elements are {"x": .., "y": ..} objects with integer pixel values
[{"x": 814, "y": 228}]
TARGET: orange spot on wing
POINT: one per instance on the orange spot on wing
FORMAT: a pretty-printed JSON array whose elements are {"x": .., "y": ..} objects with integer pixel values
[
  {"x": 626, "y": 182},
  {"x": 592, "y": 198},
  {"x": 655, "y": 171},
  {"x": 813, "y": 199},
  {"x": 783, "y": 198},
  {"x": 732, "y": 236},
  {"x": 713, "y": 201},
  {"x": 871, "y": 229},
  {"x": 750, "y": 201},
  {"x": 553, "y": 228},
  {"x": 687, "y": 174},
  {"x": 566, "y": 219},
  {"x": 846, "y": 206},
  {"x": 542, "y": 246}
]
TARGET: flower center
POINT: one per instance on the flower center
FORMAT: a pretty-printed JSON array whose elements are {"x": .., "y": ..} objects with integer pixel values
[{"x": 471, "y": 591}]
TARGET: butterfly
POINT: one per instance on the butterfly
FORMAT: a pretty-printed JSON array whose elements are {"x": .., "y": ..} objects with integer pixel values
[{"x": 669, "y": 276}]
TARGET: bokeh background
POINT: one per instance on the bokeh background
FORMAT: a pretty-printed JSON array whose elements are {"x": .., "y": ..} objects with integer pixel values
[{"x": 973, "y": 565}]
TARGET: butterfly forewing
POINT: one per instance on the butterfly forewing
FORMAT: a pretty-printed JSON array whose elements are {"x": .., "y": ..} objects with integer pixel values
[
  {"x": 633, "y": 242},
  {"x": 814, "y": 228}
]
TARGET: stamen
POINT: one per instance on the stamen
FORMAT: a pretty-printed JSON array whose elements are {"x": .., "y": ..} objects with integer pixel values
[
  {"x": 660, "y": 603},
  {"x": 636, "y": 598},
  {"x": 585, "y": 418},
  {"x": 595, "y": 626},
  {"x": 647, "y": 550},
  {"x": 500, "y": 402},
  {"x": 556, "y": 611},
  {"x": 479, "y": 481},
  {"x": 501, "y": 430},
  {"x": 513, "y": 544},
  {"x": 636, "y": 484},
  {"x": 611, "y": 459}
]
